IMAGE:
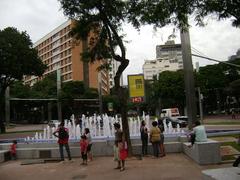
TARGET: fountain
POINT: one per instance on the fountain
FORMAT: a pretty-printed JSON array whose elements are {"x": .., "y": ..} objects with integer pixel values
[{"x": 101, "y": 127}]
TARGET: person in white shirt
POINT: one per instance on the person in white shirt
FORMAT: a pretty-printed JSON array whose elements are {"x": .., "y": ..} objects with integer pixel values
[{"x": 198, "y": 134}]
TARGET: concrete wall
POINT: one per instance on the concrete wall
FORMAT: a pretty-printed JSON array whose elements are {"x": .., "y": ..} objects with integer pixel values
[
  {"x": 99, "y": 148},
  {"x": 204, "y": 152}
]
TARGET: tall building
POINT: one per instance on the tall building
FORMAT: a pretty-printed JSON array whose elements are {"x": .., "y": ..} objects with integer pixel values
[
  {"x": 58, "y": 50},
  {"x": 112, "y": 72},
  {"x": 168, "y": 58}
]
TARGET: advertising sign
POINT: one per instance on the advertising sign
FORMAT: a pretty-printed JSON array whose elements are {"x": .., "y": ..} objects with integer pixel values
[{"x": 136, "y": 87}]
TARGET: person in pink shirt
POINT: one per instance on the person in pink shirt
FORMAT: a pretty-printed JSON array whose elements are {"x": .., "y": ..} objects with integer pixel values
[
  {"x": 83, "y": 147},
  {"x": 13, "y": 150}
]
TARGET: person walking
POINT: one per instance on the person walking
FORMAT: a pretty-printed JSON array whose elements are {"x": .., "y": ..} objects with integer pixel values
[
  {"x": 155, "y": 138},
  {"x": 62, "y": 134},
  {"x": 144, "y": 138}
]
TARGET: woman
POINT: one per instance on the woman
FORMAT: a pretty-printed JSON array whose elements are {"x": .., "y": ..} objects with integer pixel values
[
  {"x": 162, "y": 148},
  {"x": 144, "y": 138},
  {"x": 155, "y": 138}
]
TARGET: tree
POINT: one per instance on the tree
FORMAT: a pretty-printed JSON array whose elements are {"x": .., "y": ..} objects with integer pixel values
[
  {"x": 46, "y": 88},
  {"x": 163, "y": 12},
  {"x": 168, "y": 90},
  {"x": 17, "y": 58},
  {"x": 102, "y": 21}
]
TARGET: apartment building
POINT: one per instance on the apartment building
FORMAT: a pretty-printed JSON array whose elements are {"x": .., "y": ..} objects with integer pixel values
[
  {"x": 58, "y": 50},
  {"x": 168, "y": 58},
  {"x": 112, "y": 72}
]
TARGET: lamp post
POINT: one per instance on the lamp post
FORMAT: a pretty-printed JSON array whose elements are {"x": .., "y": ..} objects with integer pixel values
[
  {"x": 7, "y": 106},
  {"x": 199, "y": 97},
  {"x": 100, "y": 91},
  {"x": 59, "y": 104},
  {"x": 188, "y": 76}
]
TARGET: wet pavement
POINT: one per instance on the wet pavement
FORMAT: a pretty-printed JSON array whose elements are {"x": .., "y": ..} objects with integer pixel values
[{"x": 171, "y": 167}]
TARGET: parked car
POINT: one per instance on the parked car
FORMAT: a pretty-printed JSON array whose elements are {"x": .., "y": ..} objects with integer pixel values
[
  {"x": 182, "y": 121},
  {"x": 53, "y": 123}
]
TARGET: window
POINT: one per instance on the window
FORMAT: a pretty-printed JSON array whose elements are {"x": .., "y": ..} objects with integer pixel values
[{"x": 138, "y": 83}]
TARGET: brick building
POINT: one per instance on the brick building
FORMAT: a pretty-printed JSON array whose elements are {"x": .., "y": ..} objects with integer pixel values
[{"x": 58, "y": 50}]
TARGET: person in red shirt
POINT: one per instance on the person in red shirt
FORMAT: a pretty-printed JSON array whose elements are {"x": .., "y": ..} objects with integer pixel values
[
  {"x": 83, "y": 147},
  {"x": 13, "y": 150},
  {"x": 63, "y": 136}
]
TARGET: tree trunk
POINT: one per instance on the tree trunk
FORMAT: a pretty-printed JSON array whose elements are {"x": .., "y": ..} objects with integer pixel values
[
  {"x": 123, "y": 109},
  {"x": 2, "y": 125}
]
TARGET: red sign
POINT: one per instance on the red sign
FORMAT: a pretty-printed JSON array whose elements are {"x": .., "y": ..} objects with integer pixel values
[{"x": 137, "y": 99}]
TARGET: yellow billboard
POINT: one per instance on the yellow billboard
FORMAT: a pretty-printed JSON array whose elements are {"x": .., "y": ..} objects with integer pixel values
[{"x": 136, "y": 85}]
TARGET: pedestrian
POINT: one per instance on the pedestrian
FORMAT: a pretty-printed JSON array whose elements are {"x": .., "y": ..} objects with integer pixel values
[
  {"x": 155, "y": 138},
  {"x": 123, "y": 152},
  {"x": 162, "y": 148},
  {"x": 83, "y": 147},
  {"x": 89, "y": 140},
  {"x": 62, "y": 134},
  {"x": 144, "y": 138},
  {"x": 237, "y": 161},
  {"x": 233, "y": 113},
  {"x": 13, "y": 150},
  {"x": 198, "y": 134},
  {"x": 119, "y": 146}
]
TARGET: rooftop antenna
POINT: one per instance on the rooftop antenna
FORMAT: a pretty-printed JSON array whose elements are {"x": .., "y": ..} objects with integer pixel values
[{"x": 172, "y": 36}]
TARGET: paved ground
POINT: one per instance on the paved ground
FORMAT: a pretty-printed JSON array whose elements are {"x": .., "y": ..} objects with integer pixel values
[{"x": 172, "y": 167}]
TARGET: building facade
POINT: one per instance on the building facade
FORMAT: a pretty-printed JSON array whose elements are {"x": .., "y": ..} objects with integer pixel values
[
  {"x": 112, "y": 72},
  {"x": 58, "y": 50},
  {"x": 168, "y": 58}
]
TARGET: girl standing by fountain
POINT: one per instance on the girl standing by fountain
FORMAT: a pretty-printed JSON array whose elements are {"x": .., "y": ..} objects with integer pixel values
[
  {"x": 83, "y": 147},
  {"x": 119, "y": 148},
  {"x": 89, "y": 147},
  {"x": 144, "y": 138}
]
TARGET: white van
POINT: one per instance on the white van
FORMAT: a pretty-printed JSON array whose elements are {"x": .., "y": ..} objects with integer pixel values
[{"x": 170, "y": 112}]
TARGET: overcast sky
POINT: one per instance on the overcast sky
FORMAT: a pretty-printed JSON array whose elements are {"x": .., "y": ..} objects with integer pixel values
[{"x": 217, "y": 40}]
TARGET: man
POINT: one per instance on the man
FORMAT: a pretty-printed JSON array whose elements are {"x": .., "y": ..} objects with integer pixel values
[
  {"x": 199, "y": 133},
  {"x": 62, "y": 134}
]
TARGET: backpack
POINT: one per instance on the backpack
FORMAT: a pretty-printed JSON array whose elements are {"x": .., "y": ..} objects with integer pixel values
[{"x": 62, "y": 134}]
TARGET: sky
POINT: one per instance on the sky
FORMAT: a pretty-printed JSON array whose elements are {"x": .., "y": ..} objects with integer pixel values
[{"x": 218, "y": 39}]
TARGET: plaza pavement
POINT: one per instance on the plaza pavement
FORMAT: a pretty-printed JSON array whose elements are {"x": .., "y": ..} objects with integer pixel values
[{"x": 176, "y": 166}]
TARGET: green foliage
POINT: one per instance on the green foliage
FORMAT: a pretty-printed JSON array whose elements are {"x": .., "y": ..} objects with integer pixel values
[
  {"x": 168, "y": 90},
  {"x": 46, "y": 88},
  {"x": 163, "y": 12},
  {"x": 19, "y": 90},
  {"x": 17, "y": 57},
  {"x": 217, "y": 82},
  {"x": 111, "y": 99},
  {"x": 73, "y": 89}
]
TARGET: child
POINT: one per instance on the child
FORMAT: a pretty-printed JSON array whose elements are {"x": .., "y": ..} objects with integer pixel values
[
  {"x": 13, "y": 150},
  {"x": 122, "y": 154},
  {"x": 89, "y": 140},
  {"x": 83, "y": 146}
]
